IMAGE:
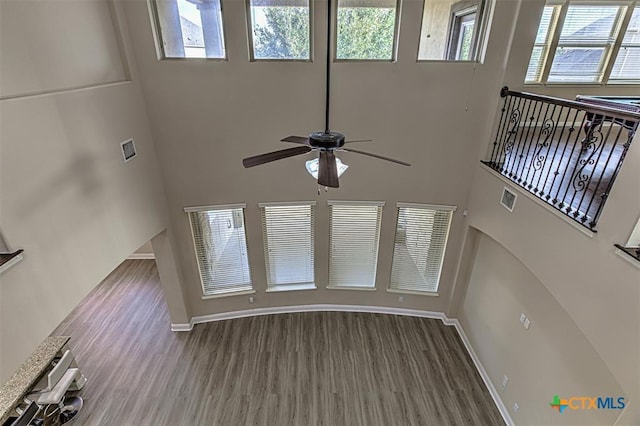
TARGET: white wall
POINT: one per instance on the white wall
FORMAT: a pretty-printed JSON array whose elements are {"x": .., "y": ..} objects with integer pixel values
[
  {"x": 552, "y": 357},
  {"x": 597, "y": 288},
  {"x": 66, "y": 196},
  {"x": 40, "y": 51},
  {"x": 208, "y": 115}
]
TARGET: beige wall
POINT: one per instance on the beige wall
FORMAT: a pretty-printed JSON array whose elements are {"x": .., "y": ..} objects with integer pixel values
[
  {"x": 66, "y": 196},
  {"x": 145, "y": 249},
  {"x": 552, "y": 357},
  {"x": 208, "y": 115},
  {"x": 39, "y": 51},
  {"x": 596, "y": 287}
]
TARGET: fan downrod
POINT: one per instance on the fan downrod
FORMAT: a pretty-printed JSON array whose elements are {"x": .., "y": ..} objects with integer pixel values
[{"x": 326, "y": 140}]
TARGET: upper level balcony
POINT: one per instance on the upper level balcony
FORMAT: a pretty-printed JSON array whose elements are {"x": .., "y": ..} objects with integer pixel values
[{"x": 566, "y": 153}]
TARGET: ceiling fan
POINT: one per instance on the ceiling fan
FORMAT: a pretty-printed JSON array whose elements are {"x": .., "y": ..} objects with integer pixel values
[{"x": 327, "y": 167}]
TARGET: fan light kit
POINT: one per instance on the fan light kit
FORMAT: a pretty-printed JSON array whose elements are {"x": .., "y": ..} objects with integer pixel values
[
  {"x": 326, "y": 168},
  {"x": 312, "y": 167}
]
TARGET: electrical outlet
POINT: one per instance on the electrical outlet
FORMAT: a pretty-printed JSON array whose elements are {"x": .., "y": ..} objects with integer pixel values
[
  {"x": 251, "y": 299},
  {"x": 526, "y": 323},
  {"x": 516, "y": 407},
  {"x": 401, "y": 299},
  {"x": 522, "y": 318},
  {"x": 505, "y": 380}
]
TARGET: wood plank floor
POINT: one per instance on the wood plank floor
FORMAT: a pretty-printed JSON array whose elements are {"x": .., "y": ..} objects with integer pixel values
[{"x": 325, "y": 368}]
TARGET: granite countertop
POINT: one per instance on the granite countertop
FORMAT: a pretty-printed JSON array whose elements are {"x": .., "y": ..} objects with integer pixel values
[{"x": 12, "y": 392}]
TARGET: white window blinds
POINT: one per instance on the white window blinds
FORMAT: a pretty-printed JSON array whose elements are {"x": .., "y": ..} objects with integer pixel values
[
  {"x": 587, "y": 35},
  {"x": 221, "y": 248},
  {"x": 420, "y": 243},
  {"x": 288, "y": 244},
  {"x": 354, "y": 237},
  {"x": 542, "y": 44},
  {"x": 627, "y": 65}
]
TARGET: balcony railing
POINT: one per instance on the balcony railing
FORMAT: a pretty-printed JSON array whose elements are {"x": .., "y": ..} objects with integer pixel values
[{"x": 566, "y": 153}]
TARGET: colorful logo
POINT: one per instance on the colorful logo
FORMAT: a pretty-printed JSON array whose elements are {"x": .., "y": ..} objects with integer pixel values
[
  {"x": 588, "y": 403},
  {"x": 559, "y": 404}
]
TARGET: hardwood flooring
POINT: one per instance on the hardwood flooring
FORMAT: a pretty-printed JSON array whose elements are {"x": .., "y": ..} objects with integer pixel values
[{"x": 324, "y": 368}]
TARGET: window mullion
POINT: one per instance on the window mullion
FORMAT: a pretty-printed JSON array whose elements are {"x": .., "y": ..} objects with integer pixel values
[
  {"x": 622, "y": 30},
  {"x": 557, "y": 30}
]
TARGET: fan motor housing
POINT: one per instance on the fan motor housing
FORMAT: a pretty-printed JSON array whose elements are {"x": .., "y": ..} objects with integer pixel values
[{"x": 326, "y": 140}]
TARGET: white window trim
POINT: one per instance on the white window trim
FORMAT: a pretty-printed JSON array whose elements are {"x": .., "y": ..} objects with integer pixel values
[
  {"x": 158, "y": 40},
  {"x": 450, "y": 208},
  {"x": 610, "y": 53},
  {"x": 222, "y": 293},
  {"x": 380, "y": 205},
  {"x": 396, "y": 36},
  {"x": 196, "y": 209},
  {"x": 484, "y": 17},
  {"x": 252, "y": 57},
  {"x": 293, "y": 286}
]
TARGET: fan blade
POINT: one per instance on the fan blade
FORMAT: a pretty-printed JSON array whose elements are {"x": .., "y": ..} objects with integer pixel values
[
  {"x": 327, "y": 170},
  {"x": 296, "y": 139},
  {"x": 376, "y": 156},
  {"x": 360, "y": 140},
  {"x": 275, "y": 155}
]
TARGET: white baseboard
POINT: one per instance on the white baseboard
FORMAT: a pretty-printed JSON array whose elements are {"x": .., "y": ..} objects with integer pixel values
[
  {"x": 137, "y": 256},
  {"x": 483, "y": 373},
  {"x": 182, "y": 327},
  {"x": 315, "y": 308},
  {"x": 367, "y": 309}
]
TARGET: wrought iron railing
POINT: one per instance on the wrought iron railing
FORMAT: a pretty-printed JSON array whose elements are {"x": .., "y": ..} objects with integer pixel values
[{"x": 566, "y": 153}]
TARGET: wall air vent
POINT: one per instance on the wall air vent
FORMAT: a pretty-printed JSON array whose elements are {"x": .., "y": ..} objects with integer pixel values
[
  {"x": 508, "y": 199},
  {"x": 128, "y": 150}
]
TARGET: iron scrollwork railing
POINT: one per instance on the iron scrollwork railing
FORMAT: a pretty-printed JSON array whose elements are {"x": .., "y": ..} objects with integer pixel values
[{"x": 567, "y": 153}]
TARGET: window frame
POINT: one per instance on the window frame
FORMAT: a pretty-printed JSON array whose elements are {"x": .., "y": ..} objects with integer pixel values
[
  {"x": 200, "y": 209},
  {"x": 379, "y": 205},
  {"x": 434, "y": 207},
  {"x": 274, "y": 287},
  {"x": 480, "y": 31},
  {"x": 158, "y": 39},
  {"x": 635, "y": 6},
  {"x": 609, "y": 55},
  {"x": 396, "y": 36},
  {"x": 252, "y": 57}
]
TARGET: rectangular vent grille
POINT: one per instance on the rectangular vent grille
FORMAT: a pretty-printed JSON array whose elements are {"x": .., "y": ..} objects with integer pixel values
[
  {"x": 508, "y": 199},
  {"x": 128, "y": 150}
]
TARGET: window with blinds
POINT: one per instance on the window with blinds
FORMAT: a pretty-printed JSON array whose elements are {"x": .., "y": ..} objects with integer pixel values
[
  {"x": 288, "y": 245},
  {"x": 586, "y": 42},
  {"x": 221, "y": 249},
  {"x": 542, "y": 44},
  {"x": 627, "y": 65},
  {"x": 420, "y": 243},
  {"x": 353, "y": 247}
]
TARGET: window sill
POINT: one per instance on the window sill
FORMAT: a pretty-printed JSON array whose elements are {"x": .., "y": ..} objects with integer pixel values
[
  {"x": 231, "y": 293},
  {"x": 357, "y": 288},
  {"x": 417, "y": 293},
  {"x": 291, "y": 287}
]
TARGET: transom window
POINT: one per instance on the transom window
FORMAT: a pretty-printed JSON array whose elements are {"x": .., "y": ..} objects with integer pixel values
[
  {"x": 367, "y": 30},
  {"x": 288, "y": 245},
  {"x": 451, "y": 30},
  {"x": 580, "y": 42},
  {"x": 220, "y": 244},
  {"x": 353, "y": 244},
  {"x": 189, "y": 28},
  {"x": 421, "y": 239},
  {"x": 279, "y": 29}
]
